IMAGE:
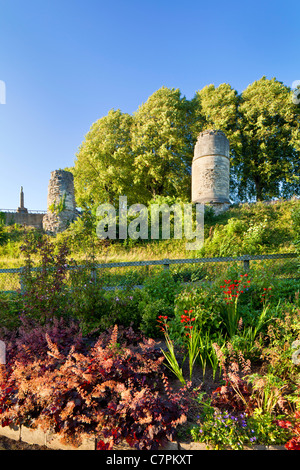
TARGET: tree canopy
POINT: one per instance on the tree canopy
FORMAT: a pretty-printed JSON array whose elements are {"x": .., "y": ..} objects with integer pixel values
[
  {"x": 104, "y": 162},
  {"x": 162, "y": 145},
  {"x": 149, "y": 154},
  {"x": 268, "y": 163}
]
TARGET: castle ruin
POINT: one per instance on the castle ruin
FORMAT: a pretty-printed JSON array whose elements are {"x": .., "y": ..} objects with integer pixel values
[
  {"x": 61, "y": 206},
  {"x": 210, "y": 185},
  {"x": 22, "y": 215},
  {"x": 210, "y": 170}
]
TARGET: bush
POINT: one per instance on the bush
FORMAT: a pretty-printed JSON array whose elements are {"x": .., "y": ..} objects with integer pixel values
[
  {"x": 10, "y": 307},
  {"x": 113, "y": 389},
  {"x": 45, "y": 290},
  {"x": 124, "y": 307},
  {"x": 206, "y": 304},
  {"x": 222, "y": 429},
  {"x": 157, "y": 298},
  {"x": 87, "y": 301}
]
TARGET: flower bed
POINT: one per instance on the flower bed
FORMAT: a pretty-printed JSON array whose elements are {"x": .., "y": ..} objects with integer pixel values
[
  {"x": 227, "y": 350},
  {"x": 113, "y": 388},
  {"x": 83, "y": 393}
]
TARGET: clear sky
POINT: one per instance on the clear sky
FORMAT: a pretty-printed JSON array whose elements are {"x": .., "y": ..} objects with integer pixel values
[{"x": 66, "y": 63}]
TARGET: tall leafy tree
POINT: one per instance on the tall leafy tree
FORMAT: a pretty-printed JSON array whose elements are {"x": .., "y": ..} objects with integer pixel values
[
  {"x": 268, "y": 163},
  {"x": 162, "y": 145},
  {"x": 217, "y": 108},
  {"x": 104, "y": 162}
]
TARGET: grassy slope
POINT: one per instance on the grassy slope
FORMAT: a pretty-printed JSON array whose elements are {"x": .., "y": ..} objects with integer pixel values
[{"x": 244, "y": 229}]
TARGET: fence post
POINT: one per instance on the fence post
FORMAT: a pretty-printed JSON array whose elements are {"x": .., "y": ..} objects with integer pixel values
[
  {"x": 94, "y": 275},
  {"x": 21, "y": 281},
  {"x": 166, "y": 264},
  {"x": 246, "y": 264}
]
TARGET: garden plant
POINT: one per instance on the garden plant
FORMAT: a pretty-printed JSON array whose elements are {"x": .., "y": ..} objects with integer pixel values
[{"x": 214, "y": 361}]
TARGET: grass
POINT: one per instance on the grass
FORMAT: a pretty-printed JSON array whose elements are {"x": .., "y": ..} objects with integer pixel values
[
  {"x": 253, "y": 229},
  {"x": 244, "y": 229}
]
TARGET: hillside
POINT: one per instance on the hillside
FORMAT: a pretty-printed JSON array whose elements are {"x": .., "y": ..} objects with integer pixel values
[{"x": 257, "y": 228}]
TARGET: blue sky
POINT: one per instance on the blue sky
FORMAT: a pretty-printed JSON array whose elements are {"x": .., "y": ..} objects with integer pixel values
[{"x": 66, "y": 63}]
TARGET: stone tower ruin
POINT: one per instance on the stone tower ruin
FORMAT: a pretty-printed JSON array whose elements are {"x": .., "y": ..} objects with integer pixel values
[
  {"x": 210, "y": 170},
  {"x": 61, "y": 206}
]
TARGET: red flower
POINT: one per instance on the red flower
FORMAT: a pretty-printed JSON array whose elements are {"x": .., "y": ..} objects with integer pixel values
[
  {"x": 101, "y": 445},
  {"x": 284, "y": 424},
  {"x": 293, "y": 444}
]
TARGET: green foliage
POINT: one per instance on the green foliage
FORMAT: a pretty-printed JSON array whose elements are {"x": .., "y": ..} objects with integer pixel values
[
  {"x": 59, "y": 206},
  {"x": 267, "y": 164},
  {"x": 162, "y": 145},
  {"x": 124, "y": 307},
  {"x": 2, "y": 218},
  {"x": 205, "y": 303},
  {"x": 296, "y": 228},
  {"x": 110, "y": 388},
  {"x": 150, "y": 152},
  {"x": 2, "y": 235},
  {"x": 218, "y": 108},
  {"x": 258, "y": 228},
  {"x": 10, "y": 307},
  {"x": 223, "y": 430},
  {"x": 277, "y": 351},
  {"x": 45, "y": 294},
  {"x": 103, "y": 164},
  {"x": 157, "y": 298}
]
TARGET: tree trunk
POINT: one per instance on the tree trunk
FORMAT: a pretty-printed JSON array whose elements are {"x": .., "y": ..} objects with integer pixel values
[{"x": 258, "y": 189}]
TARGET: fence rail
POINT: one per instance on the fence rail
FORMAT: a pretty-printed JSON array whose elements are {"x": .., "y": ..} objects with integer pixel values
[
  {"x": 245, "y": 259},
  {"x": 30, "y": 211}
]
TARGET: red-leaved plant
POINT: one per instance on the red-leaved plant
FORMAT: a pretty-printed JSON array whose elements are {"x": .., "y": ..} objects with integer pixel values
[
  {"x": 235, "y": 393},
  {"x": 114, "y": 389},
  {"x": 294, "y": 443}
]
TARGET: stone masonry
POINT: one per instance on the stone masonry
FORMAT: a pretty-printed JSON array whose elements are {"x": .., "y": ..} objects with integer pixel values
[
  {"x": 61, "y": 206},
  {"x": 210, "y": 170}
]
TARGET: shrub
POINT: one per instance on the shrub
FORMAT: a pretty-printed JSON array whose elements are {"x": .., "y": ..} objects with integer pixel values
[
  {"x": 10, "y": 307},
  {"x": 157, "y": 298},
  {"x": 111, "y": 389},
  {"x": 87, "y": 301},
  {"x": 222, "y": 429},
  {"x": 45, "y": 289},
  {"x": 206, "y": 304},
  {"x": 123, "y": 308}
]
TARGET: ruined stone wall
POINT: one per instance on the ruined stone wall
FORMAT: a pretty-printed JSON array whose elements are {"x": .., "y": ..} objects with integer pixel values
[
  {"x": 61, "y": 206},
  {"x": 23, "y": 218}
]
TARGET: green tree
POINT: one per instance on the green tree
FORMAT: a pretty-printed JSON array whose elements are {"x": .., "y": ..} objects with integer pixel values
[
  {"x": 217, "y": 108},
  {"x": 162, "y": 145},
  {"x": 268, "y": 164},
  {"x": 104, "y": 162}
]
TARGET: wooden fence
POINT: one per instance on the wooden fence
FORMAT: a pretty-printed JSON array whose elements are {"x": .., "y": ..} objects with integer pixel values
[{"x": 166, "y": 263}]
